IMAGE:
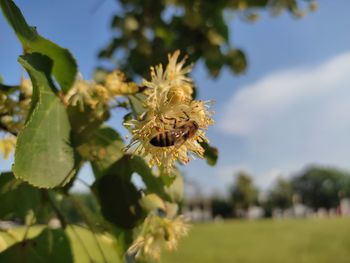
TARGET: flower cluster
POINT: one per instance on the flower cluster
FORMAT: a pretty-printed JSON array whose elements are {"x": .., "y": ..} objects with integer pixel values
[
  {"x": 7, "y": 145},
  {"x": 171, "y": 114},
  {"x": 97, "y": 96},
  {"x": 14, "y": 110},
  {"x": 158, "y": 232},
  {"x": 13, "y": 113}
]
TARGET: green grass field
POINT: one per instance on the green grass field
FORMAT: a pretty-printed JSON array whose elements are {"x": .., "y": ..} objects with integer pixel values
[{"x": 282, "y": 241}]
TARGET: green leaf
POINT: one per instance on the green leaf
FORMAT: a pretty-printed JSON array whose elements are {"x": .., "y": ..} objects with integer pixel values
[
  {"x": 49, "y": 246},
  {"x": 44, "y": 156},
  {"x": 105, "y": 148},
  {"x": 83, "y": 244},
  {"x": 118, "y": 197},
  {"x": 237, "y": 61},
  {"x": 152, "y": 202},
  {"x": 176, "y": 189},
  {"x": 16, "y": 197},
  {"x": 210, "y": 153},
  {"x": 91, "y": 247},
  {"x": 136, "y": 103},
  {"x": 154, "y": 184},
  {"x": 84, "y": 123},
  {"x": 64, "y": 65}
]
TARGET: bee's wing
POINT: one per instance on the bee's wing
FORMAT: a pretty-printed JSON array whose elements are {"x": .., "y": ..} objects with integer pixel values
[
  {"x": 177, "y": 133},
  {"x": 179, "y": 136}
]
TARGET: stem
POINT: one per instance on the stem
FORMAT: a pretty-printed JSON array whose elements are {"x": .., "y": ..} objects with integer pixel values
[
  {"x": 57, "y": 211},
  {"x": 28, "y": 226},
  {"x": 83, "y": 182}
]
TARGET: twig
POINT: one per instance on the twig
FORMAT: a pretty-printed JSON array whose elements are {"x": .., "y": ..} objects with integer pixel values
[
  {"x": 56, "y": 209},
  {"x": 28, "y": 226},
  {"x": 83, "y": 182}
]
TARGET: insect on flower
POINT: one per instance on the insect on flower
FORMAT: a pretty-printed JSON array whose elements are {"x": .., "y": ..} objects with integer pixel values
[
  {"x": 174, "y": 124},
  {"x": 176, "y": 136}
]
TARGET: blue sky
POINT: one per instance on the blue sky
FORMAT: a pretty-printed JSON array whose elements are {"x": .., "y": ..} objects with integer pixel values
[{"x": 288, "y": 110}]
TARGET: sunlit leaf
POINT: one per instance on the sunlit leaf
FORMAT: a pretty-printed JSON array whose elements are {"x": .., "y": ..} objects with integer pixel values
[
  {"x": 64, "y": 65},
  {"x": 153, "y": 183},
  {"x": 44, "y": 156},
  {"x": 176, "y": 189},
  {"x": 152, "y": 202},
  {"x": 49, "y": 246}
]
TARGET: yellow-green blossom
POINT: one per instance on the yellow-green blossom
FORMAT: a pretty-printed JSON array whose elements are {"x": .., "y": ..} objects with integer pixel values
[
  {"x": 81, "y": 93},
  {"x": 157, "y": 233},
  {"x": 116, "y": 84},
  {"x": 7, "y": 145},
  {"x": 169, "y": 87},
  {"x": 169, "y": 106}
]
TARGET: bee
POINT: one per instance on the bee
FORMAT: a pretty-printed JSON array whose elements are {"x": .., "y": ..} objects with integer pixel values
[{"x": 176, "y": 136}]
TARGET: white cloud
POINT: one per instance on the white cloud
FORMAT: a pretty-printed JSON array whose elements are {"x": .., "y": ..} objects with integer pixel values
[
  {"x": 293, "y": 118},
  {"x": 281, "y": 92}
]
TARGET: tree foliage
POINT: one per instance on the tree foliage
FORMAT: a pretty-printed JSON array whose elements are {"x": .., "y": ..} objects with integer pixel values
[
  {"x": 321, "y": 187},
  {"x": 281, "y": 195},
  {"x": 243, "y": 193},
  {"x": 146, "y": 30}
]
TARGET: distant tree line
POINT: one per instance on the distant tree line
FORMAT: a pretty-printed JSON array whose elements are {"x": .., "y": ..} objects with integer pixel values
[{"x": 315, "y": 187}]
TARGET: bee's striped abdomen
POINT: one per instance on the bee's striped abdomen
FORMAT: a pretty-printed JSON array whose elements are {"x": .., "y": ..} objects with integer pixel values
[
  {"x": 163, "y": 140},
  {"x": 175, "y": 137}
]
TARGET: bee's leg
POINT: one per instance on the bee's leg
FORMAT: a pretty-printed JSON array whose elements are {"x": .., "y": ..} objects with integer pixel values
[{"x": 188, "y": 117}]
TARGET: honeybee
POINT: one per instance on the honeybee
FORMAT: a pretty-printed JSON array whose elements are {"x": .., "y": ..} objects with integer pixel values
[{"x": 176, "y": 136}]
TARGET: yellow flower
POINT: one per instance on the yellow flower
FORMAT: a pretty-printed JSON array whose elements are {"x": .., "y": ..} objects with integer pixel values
[
  {"x": 96, "y": 96},
  {"x": 174, "y": 124},
  {"x": 7, "y": 145},
  {"x": 169, "y": 87},
  {"x": 116, "y": 84},
  {"x": 157, "y": 233},
  {"x": 81, "y": 93},
  {"x": 26, "y": 87}
]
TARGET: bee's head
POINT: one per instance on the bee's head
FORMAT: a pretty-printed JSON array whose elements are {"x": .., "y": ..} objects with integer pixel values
[{"x": 195, "y": 124}]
